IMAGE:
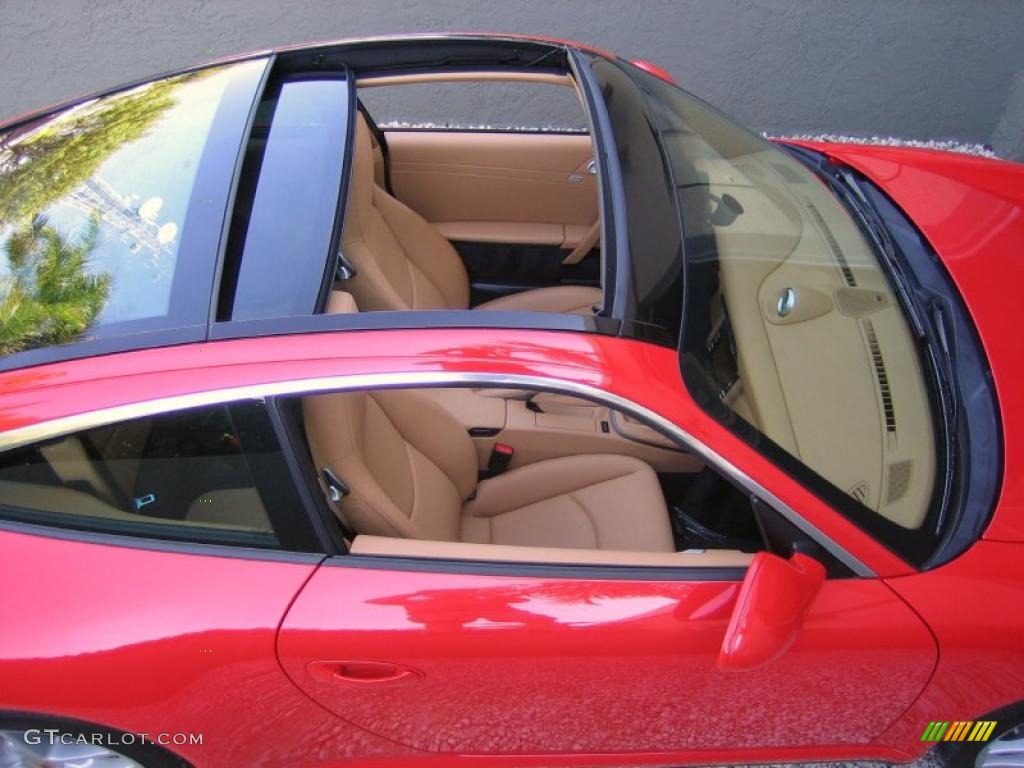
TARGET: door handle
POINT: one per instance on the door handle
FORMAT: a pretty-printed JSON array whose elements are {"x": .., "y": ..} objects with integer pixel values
[
  {"x": 586, "y": 245},
  {"x": 362, "y": 673}
]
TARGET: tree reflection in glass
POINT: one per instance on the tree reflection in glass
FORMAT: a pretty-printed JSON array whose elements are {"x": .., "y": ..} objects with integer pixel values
[
  {"x": 92, "y": 200},
  {"x": 50, "y": 298}
]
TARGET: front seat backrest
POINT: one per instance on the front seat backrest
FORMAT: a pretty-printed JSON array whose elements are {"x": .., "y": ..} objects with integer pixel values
[
  {"x": 401, "y": 260},
  {"x": 409, "y": 464}
]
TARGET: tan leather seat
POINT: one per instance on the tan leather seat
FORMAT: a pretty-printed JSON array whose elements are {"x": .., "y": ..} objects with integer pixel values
[
  {"x": 567, "y": 299},
  {"x": 412, "y": 472},
  {"x": 403, "y": 262}
]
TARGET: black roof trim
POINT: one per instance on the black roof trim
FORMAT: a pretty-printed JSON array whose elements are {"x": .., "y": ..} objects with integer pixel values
[
  {"x": 109, "y": 345},
  {"x": 414, "y": 320},
  {"x": 425, "y": 53},
  {"x": 295, "y": 53}
]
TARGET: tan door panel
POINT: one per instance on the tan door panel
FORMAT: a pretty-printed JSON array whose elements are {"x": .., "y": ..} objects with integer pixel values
[
  {"x": 497, "y": 187},
  {"x": 503, "y": 232}
]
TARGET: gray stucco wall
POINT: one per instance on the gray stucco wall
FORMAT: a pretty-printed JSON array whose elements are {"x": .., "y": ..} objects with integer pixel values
[{"x": 925, "y": 69}]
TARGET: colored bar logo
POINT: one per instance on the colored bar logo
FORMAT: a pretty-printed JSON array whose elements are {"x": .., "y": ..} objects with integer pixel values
[{"x": 960, "y": 730}]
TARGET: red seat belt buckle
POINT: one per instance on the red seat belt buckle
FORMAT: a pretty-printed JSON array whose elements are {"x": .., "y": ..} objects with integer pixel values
[{"x": 501, "y": 457}]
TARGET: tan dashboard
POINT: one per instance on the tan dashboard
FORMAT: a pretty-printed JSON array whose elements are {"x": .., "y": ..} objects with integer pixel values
[{"x": 827, "y": 366}]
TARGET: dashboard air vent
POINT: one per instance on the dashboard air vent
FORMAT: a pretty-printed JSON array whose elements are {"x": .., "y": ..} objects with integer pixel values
[
  {"x": 881, "y": 376},
  {"x": 833, "y": 245}
]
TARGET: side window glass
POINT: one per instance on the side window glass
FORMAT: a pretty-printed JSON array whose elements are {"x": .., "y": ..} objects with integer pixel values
[
  {"x": 209, "y": 475},
  {"x": 482, "y": 106}
]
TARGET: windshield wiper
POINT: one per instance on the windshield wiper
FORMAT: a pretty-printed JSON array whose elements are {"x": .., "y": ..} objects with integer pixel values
[
  {"x": 931, "y": 330},
  {"x": 935, "y": 332},
  {"x": 846, "y": 184}
]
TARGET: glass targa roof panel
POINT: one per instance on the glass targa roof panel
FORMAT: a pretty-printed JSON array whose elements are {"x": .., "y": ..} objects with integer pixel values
[{"x": 94, "y": 208}]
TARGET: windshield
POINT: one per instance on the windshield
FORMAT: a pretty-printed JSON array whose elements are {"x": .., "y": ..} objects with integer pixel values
[
  {"x": 94, "y": 205},
  {"x": 790, "y": 325}
]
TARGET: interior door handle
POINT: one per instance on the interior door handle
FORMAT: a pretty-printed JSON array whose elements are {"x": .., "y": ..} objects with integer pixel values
[
  {"x": 586, "y": 245},
  {"x": 362, "y": 673}
]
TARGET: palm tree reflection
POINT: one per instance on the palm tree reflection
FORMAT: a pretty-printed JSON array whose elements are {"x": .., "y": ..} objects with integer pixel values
[{"x": 50, "y": 297}]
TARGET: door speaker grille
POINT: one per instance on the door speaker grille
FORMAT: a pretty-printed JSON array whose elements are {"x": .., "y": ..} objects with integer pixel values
[{"x": 898, "y": 481}]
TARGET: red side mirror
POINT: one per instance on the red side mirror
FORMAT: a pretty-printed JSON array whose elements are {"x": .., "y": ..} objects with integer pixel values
[{"x": 775, "y": 596}]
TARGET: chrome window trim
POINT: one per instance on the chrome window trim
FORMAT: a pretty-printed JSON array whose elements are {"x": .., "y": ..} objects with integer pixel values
[{"x": 56, "y": 427}]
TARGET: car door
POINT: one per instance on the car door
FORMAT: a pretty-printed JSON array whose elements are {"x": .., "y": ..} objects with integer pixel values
[
  {"x": 503, "y": 658},
  {"x": 503, "y": 169},
  {"x": 510, "y": 659}
]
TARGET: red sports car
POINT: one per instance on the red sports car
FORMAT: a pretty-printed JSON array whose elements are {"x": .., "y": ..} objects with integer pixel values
[{"x": 599, "y": 432}]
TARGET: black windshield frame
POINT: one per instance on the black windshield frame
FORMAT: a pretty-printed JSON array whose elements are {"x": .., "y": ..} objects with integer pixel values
[
  {"x": 947, "y": 528},
  {"x": 649, "y": 266}
]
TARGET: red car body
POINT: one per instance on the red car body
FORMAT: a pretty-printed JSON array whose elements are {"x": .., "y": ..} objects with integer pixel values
[{"x": 495, "y": 669}]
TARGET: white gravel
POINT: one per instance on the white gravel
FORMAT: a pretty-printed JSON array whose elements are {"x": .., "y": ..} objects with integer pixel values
[
  {"x": 946, "y": 145},
  {"x": 978, "y": 150}
]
